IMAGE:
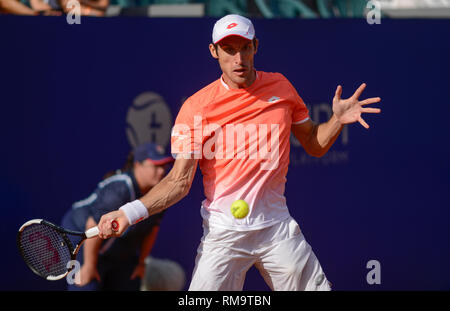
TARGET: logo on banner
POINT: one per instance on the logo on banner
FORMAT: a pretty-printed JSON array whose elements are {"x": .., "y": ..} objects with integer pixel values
[
  {"x": 149, "y": 120},
  {"x": 338, "y": 153}
]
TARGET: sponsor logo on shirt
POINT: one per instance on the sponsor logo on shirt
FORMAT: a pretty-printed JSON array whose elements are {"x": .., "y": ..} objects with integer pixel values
[{"x": 273, "y": 99}]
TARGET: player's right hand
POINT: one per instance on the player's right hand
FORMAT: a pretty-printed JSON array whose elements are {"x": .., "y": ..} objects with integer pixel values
[{"x": 105, "y": 225}]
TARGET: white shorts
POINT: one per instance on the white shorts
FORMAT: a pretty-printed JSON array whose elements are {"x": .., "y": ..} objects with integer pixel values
[{"x": 280, "y": 253}]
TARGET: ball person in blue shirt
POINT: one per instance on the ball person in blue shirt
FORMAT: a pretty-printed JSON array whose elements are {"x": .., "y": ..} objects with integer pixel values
[{"x": 118, "y": 263}]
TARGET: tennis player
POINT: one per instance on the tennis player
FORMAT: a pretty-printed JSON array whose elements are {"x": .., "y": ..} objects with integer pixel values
[{"x": 237, "y": 129}]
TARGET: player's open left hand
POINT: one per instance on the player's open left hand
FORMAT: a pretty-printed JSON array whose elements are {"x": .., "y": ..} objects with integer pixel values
[
  {"x": 349, "y": 110},
  {"x": 106, "y": 228}
]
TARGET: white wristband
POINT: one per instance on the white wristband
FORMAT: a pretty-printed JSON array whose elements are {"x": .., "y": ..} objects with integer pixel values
[{"x": 135, "y": 211}]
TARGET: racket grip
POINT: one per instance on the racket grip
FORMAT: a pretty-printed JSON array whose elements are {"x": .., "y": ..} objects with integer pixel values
[{"x": 90, "y": 233}]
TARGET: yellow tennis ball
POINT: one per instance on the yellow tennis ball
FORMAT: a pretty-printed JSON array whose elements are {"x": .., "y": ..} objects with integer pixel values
[{"x": 239, "y": 209}]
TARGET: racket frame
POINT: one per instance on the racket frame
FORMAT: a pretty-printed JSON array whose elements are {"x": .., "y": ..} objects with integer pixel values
[{"x": 63, "y": 233}]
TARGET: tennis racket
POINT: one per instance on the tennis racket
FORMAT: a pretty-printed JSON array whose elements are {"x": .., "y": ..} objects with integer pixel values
[{"x": 47, "y": 248}]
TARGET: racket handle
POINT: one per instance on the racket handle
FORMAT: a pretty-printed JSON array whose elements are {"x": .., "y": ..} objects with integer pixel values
[{"x": 90, "y": 233}]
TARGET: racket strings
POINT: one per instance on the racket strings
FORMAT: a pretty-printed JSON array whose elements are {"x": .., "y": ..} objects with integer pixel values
[{"x": 44, "y": 250}]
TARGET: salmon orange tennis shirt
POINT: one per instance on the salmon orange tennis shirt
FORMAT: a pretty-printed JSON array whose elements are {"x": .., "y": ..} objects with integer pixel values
[{"x": 241, "y": 138}]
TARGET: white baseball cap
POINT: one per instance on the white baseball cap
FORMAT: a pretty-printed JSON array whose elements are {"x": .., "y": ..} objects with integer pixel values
[{"x": 233, "y": 24}]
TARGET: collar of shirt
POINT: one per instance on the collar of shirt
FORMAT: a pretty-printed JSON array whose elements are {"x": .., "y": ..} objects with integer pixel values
[{"x": 228, "y": 88}]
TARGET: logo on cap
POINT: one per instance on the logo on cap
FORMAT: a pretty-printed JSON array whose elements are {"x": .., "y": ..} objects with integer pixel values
[{"x": 231, "y": 25}]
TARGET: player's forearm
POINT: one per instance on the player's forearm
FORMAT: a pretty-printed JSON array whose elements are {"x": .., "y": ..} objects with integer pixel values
[
  {"x": 325, "y": 135},
  {"x": 169, "y": 191}
]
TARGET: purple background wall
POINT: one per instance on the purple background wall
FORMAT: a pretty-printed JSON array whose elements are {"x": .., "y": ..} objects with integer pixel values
[{"x": 382, "y": 193}]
